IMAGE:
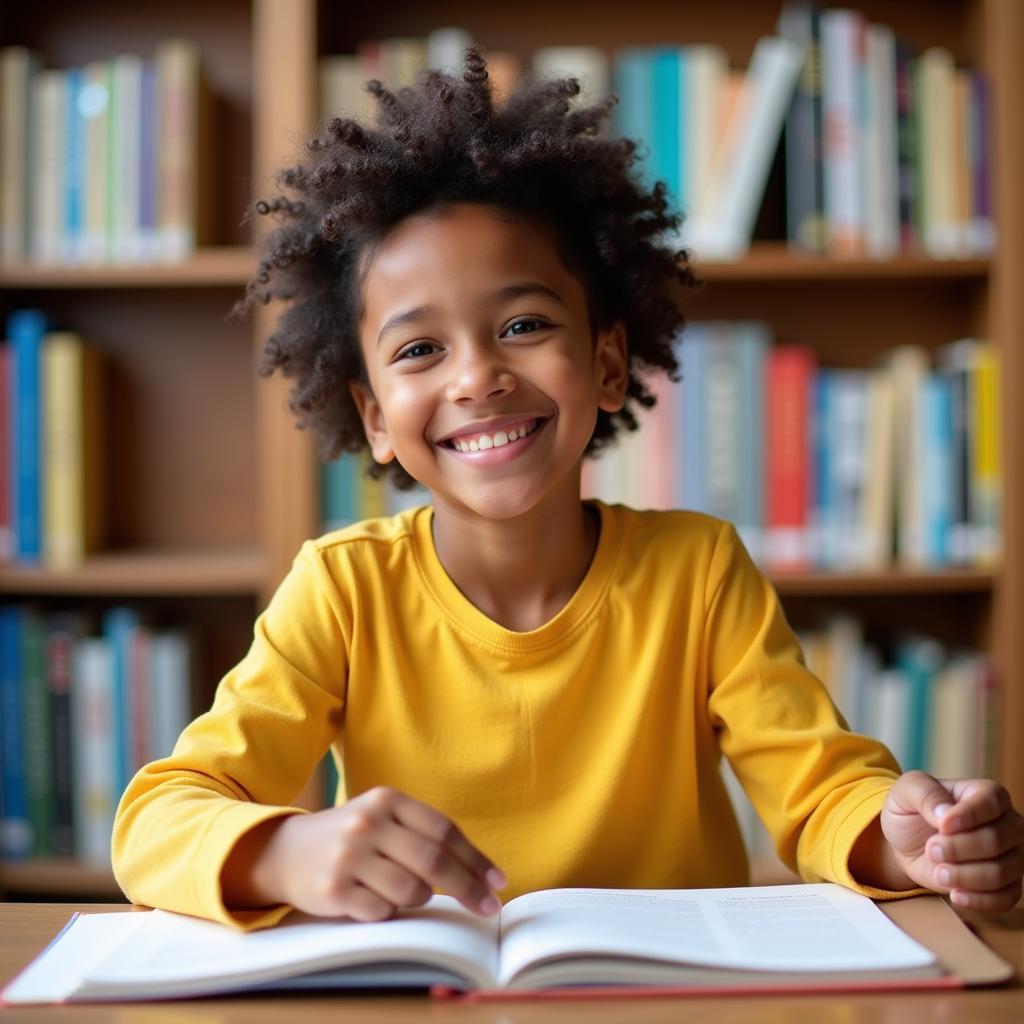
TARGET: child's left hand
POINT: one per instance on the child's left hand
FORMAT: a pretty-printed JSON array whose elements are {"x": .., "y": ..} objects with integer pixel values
[{"x": 961, "y": 836}]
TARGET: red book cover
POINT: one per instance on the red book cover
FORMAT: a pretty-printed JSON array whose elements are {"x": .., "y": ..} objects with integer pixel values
[{"x": 789, "y": 376}]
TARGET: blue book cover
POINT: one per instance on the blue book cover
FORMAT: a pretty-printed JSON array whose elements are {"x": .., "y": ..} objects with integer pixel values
[
  {"x": 119, "y": 627},
  {"x": 25, "y": 330},
  {"x": 15, "y": 830},
  {"x": 693, "y": 359},
  {"x": 937, "y": 478},
  {"x": 919, "y": 658},
  {"x": 339, "y": 488},
  {"x": 634, "y": 115},
  {"x": 668, "y": 74},
  {"x": 74, "y": 147}
]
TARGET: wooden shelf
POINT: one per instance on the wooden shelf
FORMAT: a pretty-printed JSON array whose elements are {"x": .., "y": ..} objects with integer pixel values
[
  {"x": 61, "y": 876},
  {"x": 893, "y": 581},
  {"x": 775, "y": 261},
  {"x": 214, "y": 267},
  {"x": 144, "y": 572}
]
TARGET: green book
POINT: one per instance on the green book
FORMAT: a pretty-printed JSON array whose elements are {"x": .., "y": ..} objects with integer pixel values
[{"x": 39, "y": 782}]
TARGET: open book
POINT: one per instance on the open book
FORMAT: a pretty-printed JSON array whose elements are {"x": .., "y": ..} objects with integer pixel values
[{"x": 795, "y": 935}]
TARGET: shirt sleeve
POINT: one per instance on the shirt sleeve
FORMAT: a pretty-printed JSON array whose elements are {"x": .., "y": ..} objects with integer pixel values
[
  {"x": 815, "y": 785},
  {"x": 244, "y": 761}
]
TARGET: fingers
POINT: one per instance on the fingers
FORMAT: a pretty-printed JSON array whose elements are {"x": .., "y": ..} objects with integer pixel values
[
  {"x": 978, "y": 802},
  {"x": 982, "y": 876},
  {"x": 982, "y": 843}
]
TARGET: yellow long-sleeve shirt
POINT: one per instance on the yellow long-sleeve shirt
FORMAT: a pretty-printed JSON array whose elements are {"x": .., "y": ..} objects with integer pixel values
[{"x": 582, "y": 753}]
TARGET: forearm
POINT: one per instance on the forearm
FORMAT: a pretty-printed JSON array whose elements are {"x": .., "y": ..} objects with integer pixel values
[{"x": 873, "y": 863}]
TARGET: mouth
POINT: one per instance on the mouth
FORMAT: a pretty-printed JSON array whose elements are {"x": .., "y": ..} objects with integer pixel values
[{"x": 501, "y": 446}]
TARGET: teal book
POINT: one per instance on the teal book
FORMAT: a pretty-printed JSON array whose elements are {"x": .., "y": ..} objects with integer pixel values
[
  {"x": 919, "y": 658},
  {"x": 669, "y": 75},
  {"x": 634, "y": 115}
]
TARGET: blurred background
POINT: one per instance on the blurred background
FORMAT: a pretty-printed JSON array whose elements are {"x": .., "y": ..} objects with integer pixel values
[{"x": 852, "y": 367}]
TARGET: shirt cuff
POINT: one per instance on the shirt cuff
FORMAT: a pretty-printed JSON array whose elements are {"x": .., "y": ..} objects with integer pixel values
[
  {"x": 846, "y": 836},
  {"x": 235, "y": 821}
]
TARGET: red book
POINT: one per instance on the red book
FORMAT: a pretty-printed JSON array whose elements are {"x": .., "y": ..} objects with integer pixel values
[{"x": 789, "y": 377}]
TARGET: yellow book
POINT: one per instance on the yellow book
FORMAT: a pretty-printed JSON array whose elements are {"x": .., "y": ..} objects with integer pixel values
[
  {"x": 987, "y": 483},
  {"x": 72, "y": 468}
]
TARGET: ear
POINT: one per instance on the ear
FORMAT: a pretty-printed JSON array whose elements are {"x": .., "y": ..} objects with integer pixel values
[
  {"x": 373, "y": 422},
  {"x": 611, "y": 367}
]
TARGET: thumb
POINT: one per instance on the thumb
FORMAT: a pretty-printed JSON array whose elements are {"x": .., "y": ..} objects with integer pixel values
[{"x": 919, "y": 793}]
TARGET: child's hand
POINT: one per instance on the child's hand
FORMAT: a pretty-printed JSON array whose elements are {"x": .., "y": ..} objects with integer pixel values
[
  {"x": 380, "y": 851},
  {"x": 960, "y": 836}
]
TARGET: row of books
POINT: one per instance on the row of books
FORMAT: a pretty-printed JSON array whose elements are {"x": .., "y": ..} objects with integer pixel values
[
  {"x": 820, "y": 467},
  {"x": 52, "y": 454},
  {"x": 886, "y": 150},
  {"x": 934, "y": 708},
  {"x": 348, "y": 495},
  {"x": 83, "y": 705},
  {"x": 104, "y": 162}
]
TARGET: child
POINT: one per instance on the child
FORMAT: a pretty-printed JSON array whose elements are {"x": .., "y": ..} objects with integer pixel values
[{"x": 523, "y": 690}]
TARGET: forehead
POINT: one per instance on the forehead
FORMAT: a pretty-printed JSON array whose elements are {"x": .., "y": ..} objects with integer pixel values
[{"x": 456, "y": 251}]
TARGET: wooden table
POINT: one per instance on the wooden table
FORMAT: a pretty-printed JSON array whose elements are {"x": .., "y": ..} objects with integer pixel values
[{"x": 25, "y": 928}]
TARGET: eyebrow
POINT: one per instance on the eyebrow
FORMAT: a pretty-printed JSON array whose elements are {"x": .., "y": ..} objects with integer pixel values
[{"x": 511, "y": 291}]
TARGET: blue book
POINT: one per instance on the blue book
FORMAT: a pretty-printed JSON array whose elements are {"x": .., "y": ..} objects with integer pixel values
[
  {"x": 74, "y": 181},
  {"x": 667, "y": 69},
  {"x": 937, "y": 478},
  {"x": 694, "y": 359},
  {"x": 119, "y": 628},
  {"x": 634, "y": 115},
  {"x": 15, "y": 830},
  {"x": 339, "y": 489},
  {"x": 919, "y": 658},
  {"x": 25, "y": 330}
]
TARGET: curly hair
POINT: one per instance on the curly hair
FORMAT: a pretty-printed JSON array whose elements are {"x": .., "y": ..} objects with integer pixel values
[{"x": 441, "y": 142}]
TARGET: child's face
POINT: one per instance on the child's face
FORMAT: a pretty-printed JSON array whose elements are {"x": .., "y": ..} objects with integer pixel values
[{"x": 475, "y": 361}]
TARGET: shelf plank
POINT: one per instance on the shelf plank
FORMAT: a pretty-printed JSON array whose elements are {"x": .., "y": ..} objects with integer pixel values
[
  {"x": 144, "y": 572},
  {"x": 59, "y": 876},
  {"x": 891, "y": 581},
  {"x": 210, "y": 267},
  {"x": 774, "y": 261}
]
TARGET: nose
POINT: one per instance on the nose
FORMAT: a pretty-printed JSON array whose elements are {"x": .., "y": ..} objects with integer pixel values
[{"x": 479, "y": 373}]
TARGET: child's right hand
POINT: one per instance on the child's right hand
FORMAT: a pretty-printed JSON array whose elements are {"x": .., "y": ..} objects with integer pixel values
[{"x": 379, "y": 851}]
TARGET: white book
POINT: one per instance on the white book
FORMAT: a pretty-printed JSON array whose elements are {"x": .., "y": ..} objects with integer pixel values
[
  {"x": 909, "y": 364},
  {"x": 882, "y": 228},
  {"x": 877, "y": 499},
  {"x": 889, "y": 710},
  {"x": 724, "y": 229},
  {"x": 93, "y": 723},
  {"x": 49, "y": 111},
  {"x": 766, "y": 935},
  {"x": 125, "y": 243},
  {"x": 938, "y": 148},
  {"x": 171, "y": 685},
  {"x": 843, "y": 198},
  {"x": 341, "y": 81},
  {"x": 707, "y": 69},
  {"x": 954, "y": 707}
]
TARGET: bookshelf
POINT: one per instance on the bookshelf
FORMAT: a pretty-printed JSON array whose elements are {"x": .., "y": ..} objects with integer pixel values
[{"x": 216, "y": 489}]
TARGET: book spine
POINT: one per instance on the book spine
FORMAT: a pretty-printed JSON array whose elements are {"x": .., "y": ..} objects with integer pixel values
[
  {"x": 6, "y": 415},
  {"x": 721, "y": 424},
  {"x": 707, "y": 69},
  {"x": 878, "y": 487},
  {"x": 47, "y": 165},
  {"x": 37, "y": 751},
  {"x": 25, "y": 329},
  {"x": 63, "y": 543},
  {"x": 125, "y": 147},
  {"x": 790, "y": 374},
  {"x": 849, "y": 410},
  {"x": 94, "y": 106},
  {"x": 821, "y": 512},
  {"x": 906, "y": 145},
  {"x": 634, "y": 115},
  {"x": 693, "y": 357},
  {"x": 842, "y": 45},
  {"x": 752, "y": 340},
  {"x": 148, "y": 133},
  {"x": 119, "y": 624},
  {"x": 667, "y": 71},
  {"x": 982, "y": 228},
  {"x": 170, "y": 690},
  {"x": 987, "y": 482},
  {"x": 18, "y": 66},
  {"x": 59, "y": 644},
  {"x": 937, "y": 149},
  {"x": 937, "y": 474},
  {"x": 139, "y": 681},
  {"x": 881, "y": 193},
  {"x": 962, "y": 196},
  {"x": 94, "y": 732},
  {"x": 805, "y": 212},
  {"x": 74, "y": 148},
  {"x": 909, "y": 368},
  {"x": 15, "y": 830}
]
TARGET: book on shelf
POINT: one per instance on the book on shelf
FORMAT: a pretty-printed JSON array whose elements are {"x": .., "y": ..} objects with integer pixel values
[
  {"x": 81, "y": 712},
  {"x": 110, "y": 160},
  {"x": 822, "y": 467},
  {"x": 609, "y": 941},
  {"x": 52, "y": 480},
  {"x": 885, "y": 149}
]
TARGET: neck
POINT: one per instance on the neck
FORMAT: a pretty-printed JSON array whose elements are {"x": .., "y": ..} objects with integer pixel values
[{"x": 519, "y": 572}]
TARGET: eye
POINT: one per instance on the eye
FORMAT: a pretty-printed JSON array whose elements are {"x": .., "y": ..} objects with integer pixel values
[
  {"x": 414, "y": 347},
  {"x": 526, "y": 321}
]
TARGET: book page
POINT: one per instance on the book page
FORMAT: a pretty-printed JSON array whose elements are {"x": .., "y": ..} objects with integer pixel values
[
  {"x": 820, "y": 927},
  {"x": 176, "y": 954}
]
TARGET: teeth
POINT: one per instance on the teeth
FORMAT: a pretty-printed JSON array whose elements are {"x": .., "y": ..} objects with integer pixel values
[{"x": 497, "y": 439}]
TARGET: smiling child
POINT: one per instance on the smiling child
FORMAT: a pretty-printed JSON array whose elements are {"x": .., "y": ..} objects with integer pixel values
[{"x": 523, "y": 690}]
